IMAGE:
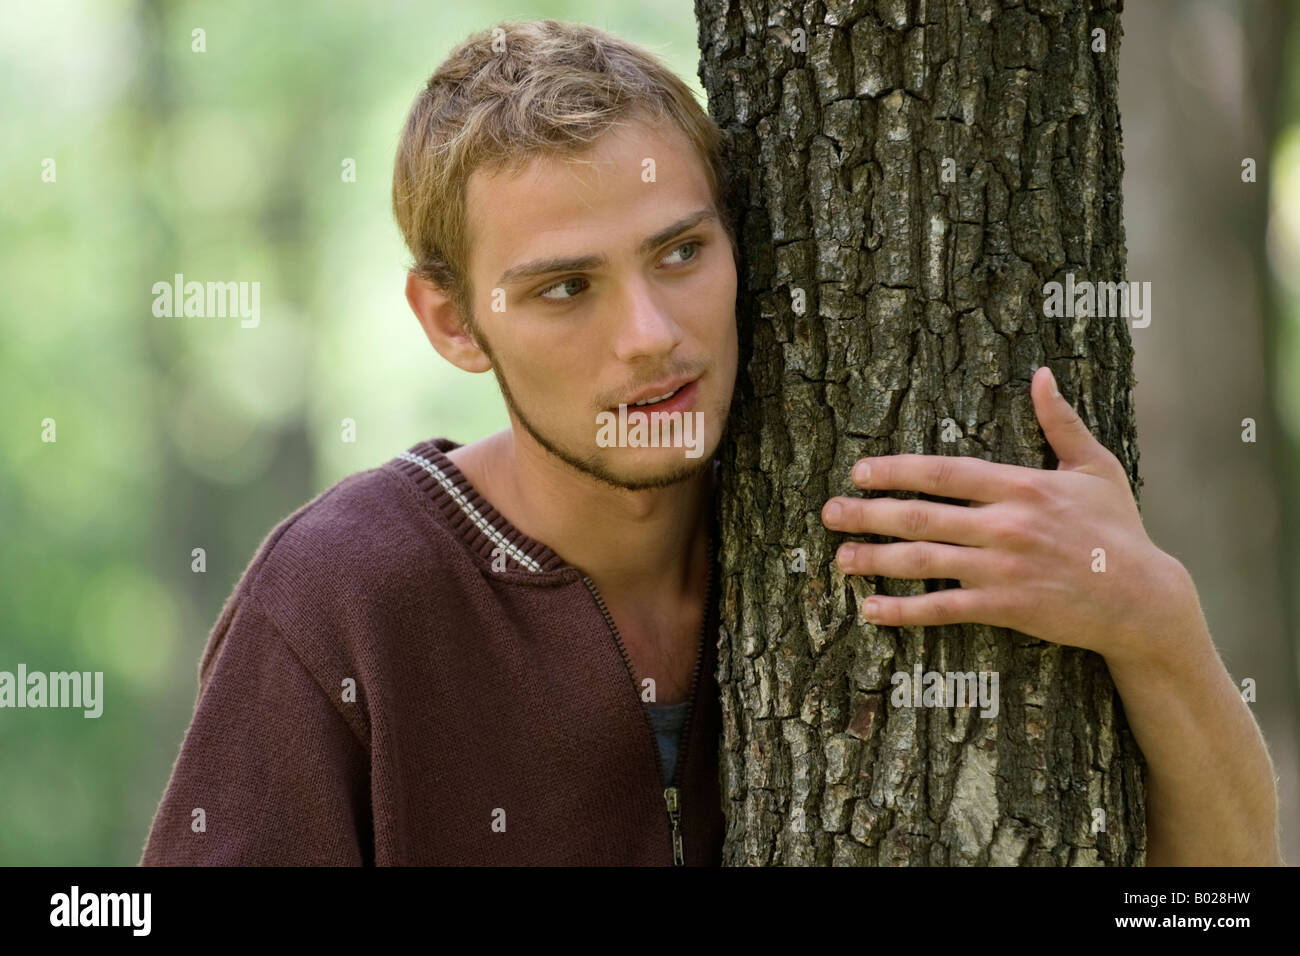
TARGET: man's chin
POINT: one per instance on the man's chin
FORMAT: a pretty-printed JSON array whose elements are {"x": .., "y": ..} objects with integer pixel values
[
  {"x": 643, "y": 469},
  {"x": 637, "y": 468}
]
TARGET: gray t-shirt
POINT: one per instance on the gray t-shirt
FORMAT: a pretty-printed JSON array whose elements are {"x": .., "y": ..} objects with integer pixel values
[{"x": 668, "y": 720}]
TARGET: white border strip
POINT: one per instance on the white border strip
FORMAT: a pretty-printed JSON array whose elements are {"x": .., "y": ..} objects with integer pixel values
[{"x": 480, "y": 522}]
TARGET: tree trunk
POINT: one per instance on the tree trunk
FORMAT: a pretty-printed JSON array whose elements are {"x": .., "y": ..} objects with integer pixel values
[{"x": 892, "y": 302}]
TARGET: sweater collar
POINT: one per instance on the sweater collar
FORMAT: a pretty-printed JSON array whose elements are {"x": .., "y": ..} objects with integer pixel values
[{"x": 473, "y": 518}]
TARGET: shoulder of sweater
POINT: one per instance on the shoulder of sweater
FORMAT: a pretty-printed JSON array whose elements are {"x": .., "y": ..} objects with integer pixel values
[
  {"x": 344, "y": 571},
  {"x": 331, "y": 578},
  {"x": 363, "y": 563},
  {"x": 355, "y": 538}
]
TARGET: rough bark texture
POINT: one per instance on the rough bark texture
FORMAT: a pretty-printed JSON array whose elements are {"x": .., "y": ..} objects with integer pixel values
[{"x": 924, "y": 302}]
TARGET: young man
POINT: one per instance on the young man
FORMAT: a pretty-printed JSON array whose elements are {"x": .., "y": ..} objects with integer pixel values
[{"x": 504, "y": 652}]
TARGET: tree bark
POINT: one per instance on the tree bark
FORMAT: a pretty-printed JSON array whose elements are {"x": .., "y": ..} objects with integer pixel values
[{"x": 922, "y": 301}]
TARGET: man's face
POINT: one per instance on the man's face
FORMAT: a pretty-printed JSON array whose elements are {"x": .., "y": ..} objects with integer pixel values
[{"x": 578, "y": 339}]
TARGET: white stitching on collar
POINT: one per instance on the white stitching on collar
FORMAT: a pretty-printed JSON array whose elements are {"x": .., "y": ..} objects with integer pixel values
[{"x": 480, "y": 522}]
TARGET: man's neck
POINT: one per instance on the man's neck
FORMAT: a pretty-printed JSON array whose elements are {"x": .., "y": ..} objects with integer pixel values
[{"x": 639, "y": 547}]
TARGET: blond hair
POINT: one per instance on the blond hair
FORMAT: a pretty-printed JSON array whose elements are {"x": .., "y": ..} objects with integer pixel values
[{"x": 514, "y": 92}]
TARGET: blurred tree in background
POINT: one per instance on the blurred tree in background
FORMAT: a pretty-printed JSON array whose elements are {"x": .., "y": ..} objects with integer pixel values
[{"x": 1203, "y": 87}]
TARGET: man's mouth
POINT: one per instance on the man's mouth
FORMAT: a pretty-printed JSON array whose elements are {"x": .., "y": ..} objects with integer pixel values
[
  {"x": 667, "y": 396},
  {"x": 660, "y": 398}
]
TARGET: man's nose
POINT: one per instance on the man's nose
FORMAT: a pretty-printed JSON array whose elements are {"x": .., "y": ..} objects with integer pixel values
[{"x": 644, "y": 326}]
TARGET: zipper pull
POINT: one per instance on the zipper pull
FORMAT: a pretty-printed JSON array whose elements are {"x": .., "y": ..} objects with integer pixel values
[{"x": 675, "y": 815}]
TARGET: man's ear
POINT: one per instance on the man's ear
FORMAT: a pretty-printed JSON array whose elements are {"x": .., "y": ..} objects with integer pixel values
[{"x": 443, "y": 325}]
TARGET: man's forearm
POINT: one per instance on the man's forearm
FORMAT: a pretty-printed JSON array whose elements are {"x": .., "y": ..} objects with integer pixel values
[{"x": 1211, "y": 790}]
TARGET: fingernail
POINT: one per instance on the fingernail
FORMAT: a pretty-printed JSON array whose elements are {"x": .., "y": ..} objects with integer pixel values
[
  {"x": 844, "y": 557},
  {"x": 871, "y": 609},
  {"x": 833, "y": 512},
  {"x": 1056, "y": 392},
  {"x": 861, "y": 471}
]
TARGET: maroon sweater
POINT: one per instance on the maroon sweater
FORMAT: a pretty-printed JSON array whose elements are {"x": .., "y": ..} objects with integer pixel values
[{"x": 495, "y": 717}]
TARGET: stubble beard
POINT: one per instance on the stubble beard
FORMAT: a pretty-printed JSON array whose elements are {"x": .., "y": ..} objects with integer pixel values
[{"x": 592, "y": 466}]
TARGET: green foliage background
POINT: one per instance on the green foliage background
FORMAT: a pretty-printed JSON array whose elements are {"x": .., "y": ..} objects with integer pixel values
[
  {"x": 178, "y": 433},
  {"x": 183, "y": 433}
]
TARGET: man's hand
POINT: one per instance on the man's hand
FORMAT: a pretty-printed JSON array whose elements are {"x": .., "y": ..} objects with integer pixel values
[
  {"x": 1030, "y": 549},
  {"x": 1026, "y": 555}
]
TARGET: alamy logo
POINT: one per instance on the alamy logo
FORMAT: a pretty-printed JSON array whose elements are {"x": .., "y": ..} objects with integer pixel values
[
  {"x": 102, "y": 909},
  {"x": 215, "y": 300},
  {"x": 56, "y": 689},
  {"x": 946, "y": 689},
  {"x": 1132, "y": 300},
  {"x": 640, "y": 429}
]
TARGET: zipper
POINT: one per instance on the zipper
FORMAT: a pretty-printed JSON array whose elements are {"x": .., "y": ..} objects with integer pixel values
[
  {"x": 672, "y": 793},
  {"x": 675, "y": 815}
]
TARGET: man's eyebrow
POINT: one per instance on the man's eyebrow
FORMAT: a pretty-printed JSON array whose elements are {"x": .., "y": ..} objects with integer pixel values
[
  {"x": 540, "y": 267},
  {"x": 681, "y": 225}
]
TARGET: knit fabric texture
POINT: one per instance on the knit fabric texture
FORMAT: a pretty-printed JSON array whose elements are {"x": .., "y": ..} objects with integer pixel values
[{"x": 402, "y": 677}]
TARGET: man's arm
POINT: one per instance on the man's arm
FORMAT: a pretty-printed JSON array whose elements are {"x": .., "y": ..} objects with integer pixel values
[
  {"x": 1062, "y": 556},
  {"x": 1211, "y": 787},
  {"x": 269, "y": 772}
]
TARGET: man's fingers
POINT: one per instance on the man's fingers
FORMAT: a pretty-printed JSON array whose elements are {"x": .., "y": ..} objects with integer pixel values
[
  {"x": 915, "y": 520},
  {"x": 950, "y": 606},
  {"x": 911, "y": 559},
  {"x": 1076, "y": 448},
  {"x": 945, "y": 476}
]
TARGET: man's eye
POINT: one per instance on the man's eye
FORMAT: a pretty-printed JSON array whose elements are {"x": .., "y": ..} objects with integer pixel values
[
  {"x": 694, "y": 244},
  {"x": 560, "y": 285}
]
